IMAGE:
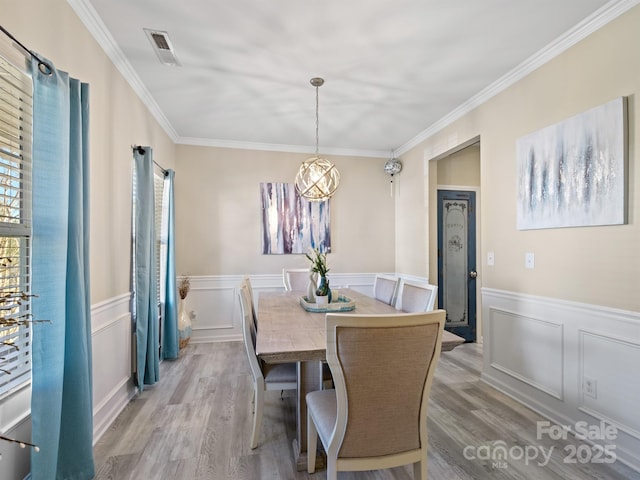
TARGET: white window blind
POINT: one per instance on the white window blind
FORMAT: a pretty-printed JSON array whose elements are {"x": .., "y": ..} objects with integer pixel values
[
  {"x": 160, "y": 241},
  {"x": 158, "y": 191},
  {"x": 15, "y": 225}
]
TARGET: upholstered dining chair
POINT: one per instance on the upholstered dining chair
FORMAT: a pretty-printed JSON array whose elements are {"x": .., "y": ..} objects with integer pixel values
[
  {"x": 383, "y": 367},
  {"x": 385, "y": 288},
  {"x": 416, "y": 297},
  {"x": 247, "y": 282},
  {"x": 266, "y": 376},
  {"x": 295, "y": 279}
]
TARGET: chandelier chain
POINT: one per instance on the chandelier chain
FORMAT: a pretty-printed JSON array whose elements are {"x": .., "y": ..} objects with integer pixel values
[{"x": 317, "y": 122}]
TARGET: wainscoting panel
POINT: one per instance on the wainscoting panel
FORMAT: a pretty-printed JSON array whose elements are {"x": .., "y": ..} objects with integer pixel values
[
  {"x": 608, "y": 363},
  {"x": 570, "y": 362},
  {"x": 112, "y": 380},
  {"x": 15, "y": 422},
  {"x": 514, "y": 358},
  {"x": 112, "y": 384},
  {"x": 215, "y": 311}
]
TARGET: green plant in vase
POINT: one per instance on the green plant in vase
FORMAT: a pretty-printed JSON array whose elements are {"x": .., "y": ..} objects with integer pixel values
[{"x": 319, "y": 264}]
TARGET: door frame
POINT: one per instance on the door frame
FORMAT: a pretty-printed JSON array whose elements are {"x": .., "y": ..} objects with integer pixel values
[
  {"x": 434, "y": 154},
  {"x": 478, "y": 266}
]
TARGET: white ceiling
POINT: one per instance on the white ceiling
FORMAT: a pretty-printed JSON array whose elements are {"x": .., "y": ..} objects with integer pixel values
[{"x": 392, "y": 69}]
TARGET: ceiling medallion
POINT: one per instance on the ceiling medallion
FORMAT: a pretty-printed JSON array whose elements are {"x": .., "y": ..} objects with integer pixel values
[{"x": 317, "y": 178}]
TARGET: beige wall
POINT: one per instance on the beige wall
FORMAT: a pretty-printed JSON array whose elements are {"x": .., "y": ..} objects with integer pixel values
[
  {"x": 459, "y": 169},
  {"x": 596, "y": 265},
  {"x": 412, "y": 204},
  {"x": 218, "y": 212},
  {"x": 118, "y": 119}
]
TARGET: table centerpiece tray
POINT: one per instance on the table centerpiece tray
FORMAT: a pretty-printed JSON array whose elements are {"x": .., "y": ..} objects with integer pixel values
[{"x": 339, "y": 304}]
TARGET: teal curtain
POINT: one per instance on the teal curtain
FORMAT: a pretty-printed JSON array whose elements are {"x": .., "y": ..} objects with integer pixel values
[
  {"x": 170, "y": 328},
  {"x": 61, "y": 400},
  {"x": 145, "y": 310}
]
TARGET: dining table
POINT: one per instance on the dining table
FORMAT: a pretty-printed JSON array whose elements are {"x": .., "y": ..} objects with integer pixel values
[{"x": 287, "y": 332}]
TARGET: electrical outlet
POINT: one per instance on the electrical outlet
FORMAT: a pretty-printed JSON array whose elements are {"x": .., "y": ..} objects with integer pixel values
[
  {"x": 490, "y": 259},
  {"x": 590, "y": 386}
]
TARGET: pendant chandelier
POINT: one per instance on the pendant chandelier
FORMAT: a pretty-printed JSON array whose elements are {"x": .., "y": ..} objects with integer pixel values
[{"x": 317, "y": 178}]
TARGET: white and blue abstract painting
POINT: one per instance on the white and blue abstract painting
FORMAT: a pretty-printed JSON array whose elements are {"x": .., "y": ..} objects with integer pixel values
[
  {"x": 573, "y": 173},
  {"x": 290, "y": 223}
]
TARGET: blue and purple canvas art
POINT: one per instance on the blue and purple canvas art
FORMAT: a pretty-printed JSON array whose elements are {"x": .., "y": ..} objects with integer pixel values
[{"x": 290, "y": 223}]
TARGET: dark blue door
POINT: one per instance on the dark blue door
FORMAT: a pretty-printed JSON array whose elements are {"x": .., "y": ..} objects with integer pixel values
[{"x": 457, "y": 261}]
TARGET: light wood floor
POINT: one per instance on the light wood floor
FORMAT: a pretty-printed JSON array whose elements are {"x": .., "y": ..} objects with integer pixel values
[{"x": 195, "y": 424}]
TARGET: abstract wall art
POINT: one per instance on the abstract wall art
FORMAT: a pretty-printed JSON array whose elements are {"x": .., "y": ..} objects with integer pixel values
[
  {"x": 573, "y": 173},
  {"x": 290, "y": 223}
]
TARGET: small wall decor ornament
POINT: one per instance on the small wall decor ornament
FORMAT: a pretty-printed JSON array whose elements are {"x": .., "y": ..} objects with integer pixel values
[{"x": 392, "y": 167}]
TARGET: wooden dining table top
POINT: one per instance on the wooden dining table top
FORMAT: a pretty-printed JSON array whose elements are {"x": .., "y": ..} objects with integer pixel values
[{"x": 289, "y": 333}]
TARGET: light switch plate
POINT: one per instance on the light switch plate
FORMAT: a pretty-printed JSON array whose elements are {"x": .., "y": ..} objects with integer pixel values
[
  {"x": 490, "y": 259},
  {"x": 529, "y": 260}
]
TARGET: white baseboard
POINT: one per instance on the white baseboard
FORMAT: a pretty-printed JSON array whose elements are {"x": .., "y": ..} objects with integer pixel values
[{"x": 111, "y": 407}]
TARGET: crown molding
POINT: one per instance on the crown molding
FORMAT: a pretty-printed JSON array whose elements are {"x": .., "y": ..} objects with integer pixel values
[
  {"x": 594, "y": 22},
  {"x": 273, "y": 147},
  {"x": 92, "y": 21},
  {"x": 101, "y": 34}
]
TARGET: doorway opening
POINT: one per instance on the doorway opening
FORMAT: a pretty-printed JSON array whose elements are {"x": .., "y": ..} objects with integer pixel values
[{"x": 454, "y": 182}]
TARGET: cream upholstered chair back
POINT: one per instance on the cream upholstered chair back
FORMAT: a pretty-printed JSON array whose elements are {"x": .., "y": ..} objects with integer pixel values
[
  {"x": 416, "y": 297},
  {"x": 295, "y": 279},
  {"x": 385, "y": 288},
  {"x": 382, "y": 367}
]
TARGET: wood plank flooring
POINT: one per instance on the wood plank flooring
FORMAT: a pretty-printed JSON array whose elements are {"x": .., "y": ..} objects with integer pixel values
[{"x": 195, "y": 424}]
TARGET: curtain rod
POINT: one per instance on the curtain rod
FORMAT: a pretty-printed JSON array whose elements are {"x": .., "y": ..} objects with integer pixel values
[
  {"x": 43, "y": 66},
  {"x": 141, "y": 151}
]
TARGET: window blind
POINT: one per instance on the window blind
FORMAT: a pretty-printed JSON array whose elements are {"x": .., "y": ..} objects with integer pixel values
[
  {"x": 158, "y": 210},
  {"x": 15, "y": 225}
]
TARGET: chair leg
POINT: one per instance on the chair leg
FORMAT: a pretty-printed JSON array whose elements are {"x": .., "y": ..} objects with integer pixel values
[
  {"x": 332, "y": 469},
  {"x": 420, "y": 470},
  {"x": 257, "y": 416},
  {"x": 312, "y": 443}
]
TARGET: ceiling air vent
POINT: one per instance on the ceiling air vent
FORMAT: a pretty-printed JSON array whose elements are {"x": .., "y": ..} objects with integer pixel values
[{"x": 162, "y": 46}]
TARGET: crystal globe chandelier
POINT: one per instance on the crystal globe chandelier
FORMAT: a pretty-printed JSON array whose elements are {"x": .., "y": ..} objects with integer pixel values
[{"x": 317, "y": 178}]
